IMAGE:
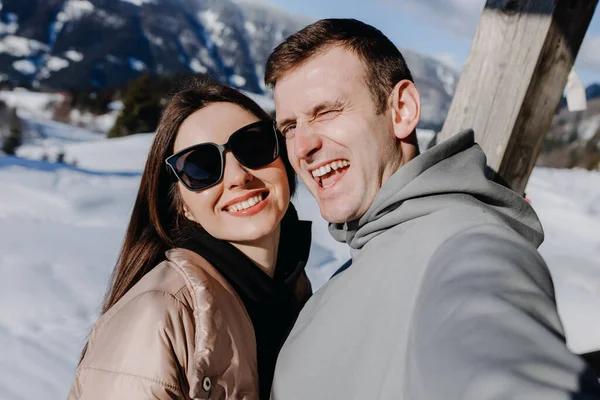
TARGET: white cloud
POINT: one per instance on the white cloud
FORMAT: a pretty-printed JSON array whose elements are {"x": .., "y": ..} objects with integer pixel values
[{"x": 459, "y": 16}]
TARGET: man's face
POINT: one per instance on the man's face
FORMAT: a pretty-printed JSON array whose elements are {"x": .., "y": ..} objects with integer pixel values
[{"x": 341, "y": 149}]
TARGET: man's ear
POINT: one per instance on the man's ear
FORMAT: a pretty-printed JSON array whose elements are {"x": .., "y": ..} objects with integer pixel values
[{"x": 405, "y": 104}]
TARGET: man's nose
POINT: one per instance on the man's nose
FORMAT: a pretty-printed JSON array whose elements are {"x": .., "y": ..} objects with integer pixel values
[
  {"x": 235, "y": 175},
  {"x": 307, "y": 141}
]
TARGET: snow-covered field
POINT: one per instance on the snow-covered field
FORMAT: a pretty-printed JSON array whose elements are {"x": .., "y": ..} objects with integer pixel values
[{"x": 61, "y": 227}]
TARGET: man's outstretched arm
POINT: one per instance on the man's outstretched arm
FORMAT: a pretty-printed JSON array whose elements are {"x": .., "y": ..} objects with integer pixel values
[{"x": 486, "y": 326}]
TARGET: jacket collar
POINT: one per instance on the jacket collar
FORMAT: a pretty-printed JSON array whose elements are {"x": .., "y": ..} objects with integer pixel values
[{"x": 249, "y": 281}]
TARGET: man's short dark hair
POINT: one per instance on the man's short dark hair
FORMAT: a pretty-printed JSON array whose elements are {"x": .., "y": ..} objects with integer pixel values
[{"x": 384, "y": 64}]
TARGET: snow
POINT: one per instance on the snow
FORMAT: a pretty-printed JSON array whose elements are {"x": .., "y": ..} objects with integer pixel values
[
  {"x": 10, "y": 27},
  {"x": 74, "y": 55},
  {"x": 18, "y": 46},
  {"x": 211, "y": 22},
  {"x": 104, "y": 123},
  {"x": 74, "y": 9},
  {"x": 448, "y": 76},
  {"x": 116, "y": 105},
  {"x": 197, "y": 66},
  {"x": 265, "y": 102},
  {"x": 97, "y": 123},
  {"x": 589, "y": 127},
  {"x": 26, "y": 67},
  {"x": 424, "y": 138},
  {"x": 62, "y": 226},
  {"x": 250, "y": 27},
  {"x": 57, "y": 63},
  {"x": 237, "y": 80},
  {"x": 113, "y": 59},
  {"x": 30, "y": 103},
  {"x": 136, "y": 64},
  {"x": 139, "y": 2},
  {"x": 155, "y": 40},
  {"x": 568, "y": 204},
  {"x": 130, "y": 157}
]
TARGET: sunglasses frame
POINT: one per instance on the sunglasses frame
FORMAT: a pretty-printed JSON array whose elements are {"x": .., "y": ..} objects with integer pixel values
[{"x": 171, "y": 161}]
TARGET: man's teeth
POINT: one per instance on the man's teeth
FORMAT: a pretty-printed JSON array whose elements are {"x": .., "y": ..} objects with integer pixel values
[
  {"x": 325, "y": 169},
  {"x": 242, "y": 205}
]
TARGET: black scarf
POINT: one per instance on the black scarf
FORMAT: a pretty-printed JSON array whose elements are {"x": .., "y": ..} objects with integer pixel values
[{"x": 270, "y": 302}]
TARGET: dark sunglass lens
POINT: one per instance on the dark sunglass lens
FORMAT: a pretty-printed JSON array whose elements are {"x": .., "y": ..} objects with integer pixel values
[
  {"x": 256, "y": 146},
  {"x": 200, "y": 167}
]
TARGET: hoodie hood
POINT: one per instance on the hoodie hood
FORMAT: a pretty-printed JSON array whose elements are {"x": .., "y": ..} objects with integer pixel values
[{"x": 449, "y": 174}]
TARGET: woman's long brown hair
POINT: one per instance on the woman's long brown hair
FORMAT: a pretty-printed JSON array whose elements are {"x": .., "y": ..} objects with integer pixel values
[{"x": 157, "y": 219}]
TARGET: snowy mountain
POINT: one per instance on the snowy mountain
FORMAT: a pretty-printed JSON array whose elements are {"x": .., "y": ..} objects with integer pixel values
[
  {"x": 62, "y": 44},
  {"x": 267, "y": 27},
  {"x": 436, "y": 82}
]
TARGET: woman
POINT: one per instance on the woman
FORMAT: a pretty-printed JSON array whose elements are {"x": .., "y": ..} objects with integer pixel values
[{"x": 211, "y": 275}]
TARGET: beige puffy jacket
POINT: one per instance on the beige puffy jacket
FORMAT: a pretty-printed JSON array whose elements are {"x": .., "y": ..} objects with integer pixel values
[{"x": 180, "y": 333}]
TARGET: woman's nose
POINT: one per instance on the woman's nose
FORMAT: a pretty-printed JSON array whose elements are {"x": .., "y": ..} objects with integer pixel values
[{"x": 235, "y": 175}]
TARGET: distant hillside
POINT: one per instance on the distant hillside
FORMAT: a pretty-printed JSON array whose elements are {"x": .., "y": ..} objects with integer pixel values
[
  {"x": 593, "y": 91},
  {"x": 574, "y": 138}
]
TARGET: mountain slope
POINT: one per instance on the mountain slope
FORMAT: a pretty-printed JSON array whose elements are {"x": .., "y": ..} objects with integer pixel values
[
  {"x": 63, "y": 44},
  {"x": 79, "y": 43}
]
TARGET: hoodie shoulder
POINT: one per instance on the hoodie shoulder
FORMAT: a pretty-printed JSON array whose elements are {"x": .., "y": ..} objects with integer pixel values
[
  {"x": 492, "y": 250},
  {"x": 486, "y": 308}
]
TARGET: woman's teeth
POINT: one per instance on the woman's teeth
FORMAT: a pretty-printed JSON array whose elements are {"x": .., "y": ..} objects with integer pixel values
[
  {"x": 325, "y": 169},
  {"x": 252, "y": 201}
]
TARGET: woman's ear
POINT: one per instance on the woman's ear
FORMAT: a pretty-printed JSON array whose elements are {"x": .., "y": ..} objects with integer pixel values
[
  {"x": 188, "y": 214},
  {"x": 405, "y": 104}
]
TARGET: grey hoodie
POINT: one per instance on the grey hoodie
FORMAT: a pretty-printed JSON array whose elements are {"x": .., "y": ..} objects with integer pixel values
[{"x": 447, "y": 297}]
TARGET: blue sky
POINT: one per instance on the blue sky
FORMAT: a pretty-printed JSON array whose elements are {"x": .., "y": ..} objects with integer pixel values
[{"x": 440, "y": 28}]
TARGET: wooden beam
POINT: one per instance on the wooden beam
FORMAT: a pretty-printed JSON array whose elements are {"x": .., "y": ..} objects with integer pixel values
[{"x": 514, "y": 78}]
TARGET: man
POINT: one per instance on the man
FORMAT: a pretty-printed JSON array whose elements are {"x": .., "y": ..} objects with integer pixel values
[{"x": 447, "y": 296}]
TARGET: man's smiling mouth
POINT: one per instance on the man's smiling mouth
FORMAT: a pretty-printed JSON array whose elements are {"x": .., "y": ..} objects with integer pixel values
[{"x": 329, "y": 174}]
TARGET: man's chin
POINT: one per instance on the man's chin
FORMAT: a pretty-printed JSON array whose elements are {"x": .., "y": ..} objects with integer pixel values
[{"x": 336, "y": 215}]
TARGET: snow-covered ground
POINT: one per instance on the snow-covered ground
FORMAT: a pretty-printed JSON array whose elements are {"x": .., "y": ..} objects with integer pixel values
[
  {"x": 31, "y": 103},
  {"x": 61, "y": 227},
  {"x": 35, "y": 105}
]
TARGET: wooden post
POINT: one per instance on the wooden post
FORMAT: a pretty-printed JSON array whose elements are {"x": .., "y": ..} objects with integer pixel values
[{"x": 514, "y": 78}]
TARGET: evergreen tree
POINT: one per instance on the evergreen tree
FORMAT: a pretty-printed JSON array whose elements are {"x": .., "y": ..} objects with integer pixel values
[
  {"x": 143, "y": 102},
  {"x": 15, "y": 136},
  {"x": 60, "y": 157},
  {"x": 141, "y": 107}
]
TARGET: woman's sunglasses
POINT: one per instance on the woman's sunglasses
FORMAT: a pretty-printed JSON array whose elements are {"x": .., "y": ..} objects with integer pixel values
[{"x": 201, "y": 166}]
